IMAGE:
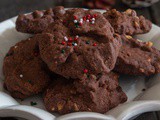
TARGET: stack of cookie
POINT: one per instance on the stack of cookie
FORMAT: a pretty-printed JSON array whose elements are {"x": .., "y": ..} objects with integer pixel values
[{"x": 73, "y": 56}]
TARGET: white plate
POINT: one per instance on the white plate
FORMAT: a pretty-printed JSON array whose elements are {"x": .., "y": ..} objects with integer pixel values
[{"x": 138, "y": 100}]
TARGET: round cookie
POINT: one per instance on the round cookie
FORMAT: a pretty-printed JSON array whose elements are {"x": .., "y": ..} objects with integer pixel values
[
  {"x": 128, "y": 22},
  {"x": 72, "y": 50},
  {"x": 37, "y": 21},
  {"x": 93, "y": 93},
  {"x": 137, "y": 58},
  {"x": 25, "y": 73}
]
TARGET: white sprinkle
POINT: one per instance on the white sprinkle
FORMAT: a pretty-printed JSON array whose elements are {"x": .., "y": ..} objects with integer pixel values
[
  {"x": 75, "y": 21},
  {"x": 75, "y": 44},
  {"x": 93, "y": 22},
  {"x": 77, "y": 36},
  {"x": 87, "y": 20},
  {"x": 93, "y": 19},
  {"x": 20, "y": 75},
  {"x": 65, "y": 38},
  {"x": 15, "y": 46},
  {"x": 81, "y": 19}
]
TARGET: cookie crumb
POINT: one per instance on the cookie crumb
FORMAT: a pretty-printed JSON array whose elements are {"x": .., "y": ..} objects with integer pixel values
[
  {"x": 60, "y": 106},
  {"x": 76, "y": 107},
  {"x": 149, "y": 44}
]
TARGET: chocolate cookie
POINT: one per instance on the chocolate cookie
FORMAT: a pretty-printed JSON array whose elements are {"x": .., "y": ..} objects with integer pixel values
[
  {"x": 25, "y": 73},
  {"x": 37, "y": 21},
  {"x": 127, "y": 22},
  {"x": 74, "y": 48},
  {"x": 77, "y": 47},
  {"x": 93, "y": 93},
  {"x": 137, "y": 58}
]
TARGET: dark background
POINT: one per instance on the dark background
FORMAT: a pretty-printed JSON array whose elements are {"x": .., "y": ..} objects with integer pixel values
[{"x": 11, "y": 8}]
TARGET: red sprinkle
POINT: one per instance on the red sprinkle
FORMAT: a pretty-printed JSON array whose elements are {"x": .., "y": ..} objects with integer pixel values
[
  {"x": 69, "y": 44},
  {"x": 85, "y": 71},
  {"x": 88, "y": 16},
  {"x": 80, "y": 24},
  {"x": 95, "y": 15},
  {"x": 75, "y": 38},
  {"x": 84, "y": 18},
  {"x": 63, "y": 43},
  {"x": 75, "y": 17},
  {"x": 69, "y": 39},
  {"x": 94, "y": 44}
]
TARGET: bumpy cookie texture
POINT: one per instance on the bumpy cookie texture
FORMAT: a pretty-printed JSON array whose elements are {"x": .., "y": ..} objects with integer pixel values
[
  {"x": 72, "y": 48},
  {"x": 37, "y": 21},
  {"x": 137, "y": 58},
  {"x": 128, "y": 22},
  {"x": 93, "y": 93},
  {"x": 25, "y": 73}
]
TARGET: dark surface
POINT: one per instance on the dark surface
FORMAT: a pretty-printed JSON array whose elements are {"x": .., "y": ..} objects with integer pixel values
[{"x": 11, "y": 8}]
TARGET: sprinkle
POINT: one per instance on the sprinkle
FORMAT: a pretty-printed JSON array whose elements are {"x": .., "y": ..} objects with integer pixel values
[
  {"x": 93, "y": 19},
  {"x": 77, "y": 26},
  {"x": 63, "y": 51},
  {"x": 84, "y": 18},
  {"x": 88, "y": 16},
  {"x": 33, "y": 103},
  {"x": 69, "y": 44},
  {"x": 77, "y": 36},
  {"x": 87, "y": 42},
  {"x": 93, "y": 22},
  {"x": 21, "y": 76},
  {"x": 15, "y": 46},
  {"x": 70, "y": 39},
  {"x": 63, "y": 43},
  {"x": 95, "y": 15},
  {"x": 75, "y": 21},
  {"x": 94, "y": 44},
  {"x": 85, "y": 71},
  {"x": 75, "y": 44},
  {"x": 80, "y": 24},
  {"x": 81, "y": 19},
  {"x": 87, "y": 20},
  {"x": 75, "y": 17},
  {"x": 65, "y": 38}
]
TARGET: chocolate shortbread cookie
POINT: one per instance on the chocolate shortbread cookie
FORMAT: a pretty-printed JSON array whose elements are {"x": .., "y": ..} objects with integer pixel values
[
  {"x": 137, "y": 58},
  {"x": 37, "y": 21},
  {"x": 127, "y": 22},
  {"x": 74, "y": 48},
  {"x": 25, "y": 73},
  {"x": 93, "y": 93}
]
